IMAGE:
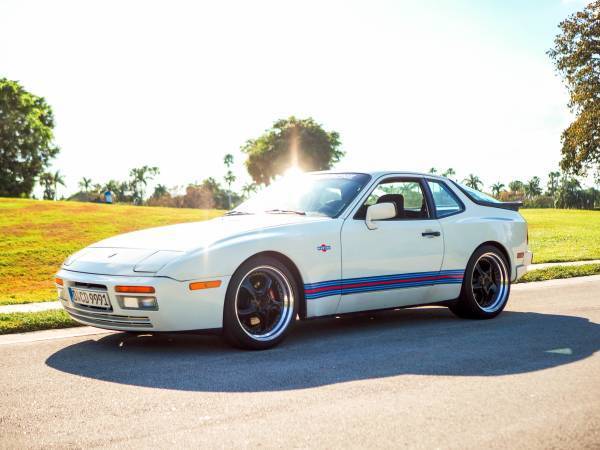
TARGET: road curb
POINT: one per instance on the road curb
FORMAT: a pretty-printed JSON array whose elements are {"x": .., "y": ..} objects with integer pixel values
[{"x": 45, "y": 335}]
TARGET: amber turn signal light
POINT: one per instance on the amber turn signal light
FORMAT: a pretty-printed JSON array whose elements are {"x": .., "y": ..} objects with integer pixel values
[
  {"x": 205, "y": 285},
  {"x": 59, "y": 281},
  {"x": 135, "y": 289}
]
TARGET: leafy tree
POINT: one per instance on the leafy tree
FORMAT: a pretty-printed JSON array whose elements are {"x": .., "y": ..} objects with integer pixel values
[
  {"x": 220, "y": 196},
  {"x": 114, "y": 187},
  {"x": 139, "y": 180},
  {"x": 85, "y": 184},
  {"x": 449, "y": 173},
  {"x": 473, "y": 181},
  {"x": 121, "y": 189},
  {"x": 291, "y": 142},
  {"x": 496, "y": 188},
  {"x": 516, "y": 186},
  {"x": 553, "y": 180},
  {"x": 532, "y": 188},
  {"x": 26, "y": 139},
  {"x": 576, "y": 56},
  {"x": 229, "y": 176},
  {"x": 568, "y": 192},
  {"x": 160, "y": 190}
]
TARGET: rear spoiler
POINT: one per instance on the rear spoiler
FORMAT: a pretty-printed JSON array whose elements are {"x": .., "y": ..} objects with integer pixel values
[{"x": 514, "y": 206}]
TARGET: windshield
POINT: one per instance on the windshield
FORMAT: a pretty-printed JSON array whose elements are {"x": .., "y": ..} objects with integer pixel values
[
  {"x": 478, "y": 195},
  {"x": 325, "y": 194}
]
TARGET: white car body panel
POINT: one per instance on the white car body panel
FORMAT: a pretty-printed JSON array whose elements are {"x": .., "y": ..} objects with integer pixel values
[
  {"x": 395, "y": 247},
  {"x": 331, "y": 256}
]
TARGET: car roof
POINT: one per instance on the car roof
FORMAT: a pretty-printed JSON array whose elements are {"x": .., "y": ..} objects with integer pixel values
[{"x": 378, "y": 173}]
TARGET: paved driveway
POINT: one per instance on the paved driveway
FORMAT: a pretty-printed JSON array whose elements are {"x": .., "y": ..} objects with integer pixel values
[{"x": 409, "y": 378}]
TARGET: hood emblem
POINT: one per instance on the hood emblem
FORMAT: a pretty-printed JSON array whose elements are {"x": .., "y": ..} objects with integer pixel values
[{"x": 323, "y": 248}]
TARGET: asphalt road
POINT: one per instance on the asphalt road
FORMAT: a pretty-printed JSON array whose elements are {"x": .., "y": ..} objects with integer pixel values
[{"x": 411, "y": 378}]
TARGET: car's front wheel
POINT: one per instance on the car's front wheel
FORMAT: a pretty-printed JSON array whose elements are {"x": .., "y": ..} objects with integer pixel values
[
  {"x": 260, "y": 305},
  {"x": 486, "y": 285}
]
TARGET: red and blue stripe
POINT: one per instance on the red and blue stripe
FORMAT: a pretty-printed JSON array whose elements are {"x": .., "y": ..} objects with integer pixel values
[{"x": 381, "y": 283}]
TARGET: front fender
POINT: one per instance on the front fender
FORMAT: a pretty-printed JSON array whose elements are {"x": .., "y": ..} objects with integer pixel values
[{"x": 313, "y": 247}]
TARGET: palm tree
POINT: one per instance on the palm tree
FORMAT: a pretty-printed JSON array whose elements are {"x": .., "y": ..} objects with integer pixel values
[
  {"x": 160, "y": 190},
  {"x": 496, "y": 188},
  {"x": 229, "y": 176},
  {"x": 139, "y": 180},
  {"x": 473, "y": 181},
  {"x": 47, "y": 182},
  {"x": 449, "y": 173},
  {"x": 85, "y": 184},
  {"x": 248, "y": 188},
  {"x": 57, "y": 178},
  {"x": 532, "y": 187},
  {"x": 516, "y": 186},
  {"x": 553, "y": 178},
  {"x": 433, "y": 170}
]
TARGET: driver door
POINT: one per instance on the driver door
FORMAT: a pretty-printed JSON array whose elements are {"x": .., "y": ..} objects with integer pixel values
[{"x": 397, "y": 263}]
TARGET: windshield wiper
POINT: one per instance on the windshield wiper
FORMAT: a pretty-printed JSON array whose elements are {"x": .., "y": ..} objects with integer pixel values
[
  {"x": 237, "y": 213},
  {"x": 285, "y": 211}
]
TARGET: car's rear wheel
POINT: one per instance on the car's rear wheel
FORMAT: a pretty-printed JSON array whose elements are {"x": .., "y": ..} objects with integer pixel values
[
  {"x": 260, "y": 305},
  {"x": 486, "y": 285}
]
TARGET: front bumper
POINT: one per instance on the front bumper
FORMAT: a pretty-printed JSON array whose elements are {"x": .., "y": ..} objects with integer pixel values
[
  {"x": 179, "y": 308},
  {"x": 521, "y": 268}
]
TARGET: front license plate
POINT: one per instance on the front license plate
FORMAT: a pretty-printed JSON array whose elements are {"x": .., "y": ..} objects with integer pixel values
[{"x": 90, "y": 298}]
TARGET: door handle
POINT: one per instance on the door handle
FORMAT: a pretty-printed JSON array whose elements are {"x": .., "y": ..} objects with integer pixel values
[{"x": 430, "y": 233}]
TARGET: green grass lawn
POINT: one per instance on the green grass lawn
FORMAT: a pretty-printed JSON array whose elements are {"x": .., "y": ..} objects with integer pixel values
[
  {"x": 33, "y": 321},
  {"x": 554, "y": 273},
  {"x": 557, "y": 235},
  {"x": 36, "y": 236}
]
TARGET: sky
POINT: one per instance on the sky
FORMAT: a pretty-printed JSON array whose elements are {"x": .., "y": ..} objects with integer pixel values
[{"x": 409, "y": 85}]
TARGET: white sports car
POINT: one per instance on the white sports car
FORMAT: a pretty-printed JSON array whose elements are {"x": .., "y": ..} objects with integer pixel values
[{"x": 312, "y": 245}]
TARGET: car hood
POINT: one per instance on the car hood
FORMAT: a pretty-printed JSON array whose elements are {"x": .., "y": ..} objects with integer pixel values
[
  {"x": 188, "y": 236},
  {"x": 147, "y": 251}
]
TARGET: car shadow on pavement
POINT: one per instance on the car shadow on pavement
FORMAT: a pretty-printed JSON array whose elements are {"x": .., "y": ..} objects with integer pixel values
[{"x": 422, "y": 341}]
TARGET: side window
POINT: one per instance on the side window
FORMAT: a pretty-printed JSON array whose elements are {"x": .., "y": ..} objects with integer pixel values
[
  {"x": 407, "y": 195},
  {"x": 445, "y": 200}
]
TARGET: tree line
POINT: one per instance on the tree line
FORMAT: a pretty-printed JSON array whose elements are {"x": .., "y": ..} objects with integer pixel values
[
  {"x": 207, "y": 194},
  {"x": 561, "y": 191}
]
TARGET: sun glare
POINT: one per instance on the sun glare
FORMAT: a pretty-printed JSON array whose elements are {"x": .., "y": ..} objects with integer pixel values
[{"x": 293, "y": 171}]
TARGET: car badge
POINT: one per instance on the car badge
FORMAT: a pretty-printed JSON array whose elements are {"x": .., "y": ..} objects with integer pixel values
[{"x": 323, "y": 248}]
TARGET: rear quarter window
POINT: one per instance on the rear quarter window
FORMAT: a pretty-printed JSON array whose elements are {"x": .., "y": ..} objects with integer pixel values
[{"x": 445, "y": 201}]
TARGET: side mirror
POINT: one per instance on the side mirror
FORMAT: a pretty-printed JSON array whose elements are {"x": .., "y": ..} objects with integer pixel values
[{"x": 379, "y": 211}]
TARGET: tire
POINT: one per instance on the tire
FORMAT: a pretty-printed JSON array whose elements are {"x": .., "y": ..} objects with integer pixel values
[
  {"x": 486, "y": 285},
  {"x": 261, "y": 304}
]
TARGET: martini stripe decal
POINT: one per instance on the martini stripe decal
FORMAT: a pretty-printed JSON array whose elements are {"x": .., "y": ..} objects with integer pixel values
[{"x": 381, "y": 283}]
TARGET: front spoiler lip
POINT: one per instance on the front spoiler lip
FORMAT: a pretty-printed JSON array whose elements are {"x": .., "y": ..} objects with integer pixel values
[{"x": 179, "y": 307}]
